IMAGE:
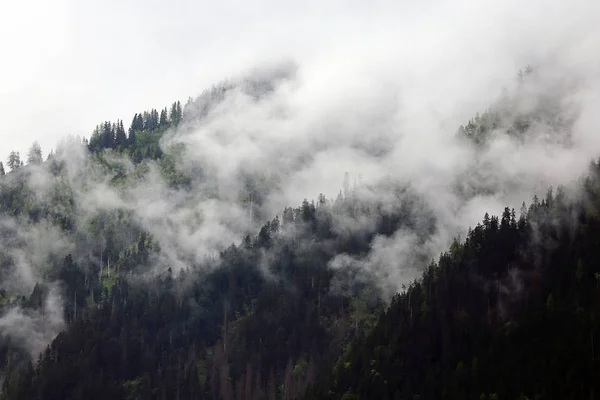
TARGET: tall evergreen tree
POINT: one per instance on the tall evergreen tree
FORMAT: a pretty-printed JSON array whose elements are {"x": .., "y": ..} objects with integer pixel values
[
  {"x": 147, "y": 121},
  {"x": 34, "y": 156},
  {"x": 108, "y": 135},
  {"x": 133, "y": 126},
  {"x": 14, "y": 160},
  {"x": 163, "y": 117},
  {"x": 155, "y": 118},
  {"x": 173, "y": 114},
  {"x": 120, "y": 136},
  {"x": 139, "y": 125}
]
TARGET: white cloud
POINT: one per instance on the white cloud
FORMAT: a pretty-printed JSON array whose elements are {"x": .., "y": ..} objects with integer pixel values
[{"x": 73, "y": 64}]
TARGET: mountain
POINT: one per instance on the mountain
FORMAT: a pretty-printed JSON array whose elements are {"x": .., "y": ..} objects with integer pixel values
[
  {"x": 511, "y": 312},
  {"x": 162, "y": 261}
]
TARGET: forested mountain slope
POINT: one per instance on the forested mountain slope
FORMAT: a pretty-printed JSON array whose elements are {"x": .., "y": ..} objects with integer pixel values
[
  {"x": 245, "y": 322},
  {"x": 509, "y": 313},
  {"x": 263, "y": 317},
  {"x": 133, "y": 268}
]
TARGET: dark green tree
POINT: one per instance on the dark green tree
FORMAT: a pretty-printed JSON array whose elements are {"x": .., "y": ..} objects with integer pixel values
[
  {"x": 120, "y": 135},
  {"x": 14, "y": 160},
  {"x": 163, "y": 117}
]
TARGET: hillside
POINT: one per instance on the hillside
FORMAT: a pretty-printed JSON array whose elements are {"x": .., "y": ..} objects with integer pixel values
[
  {"x": 511, "y": 312},
  {"x": 159, "y": 262}
]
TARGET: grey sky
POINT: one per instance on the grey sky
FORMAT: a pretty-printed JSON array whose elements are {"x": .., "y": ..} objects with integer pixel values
[{"x": 67, "y": 64}]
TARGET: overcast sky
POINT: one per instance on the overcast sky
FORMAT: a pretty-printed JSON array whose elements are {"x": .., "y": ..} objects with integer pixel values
[{"x": 67, "y": 65}]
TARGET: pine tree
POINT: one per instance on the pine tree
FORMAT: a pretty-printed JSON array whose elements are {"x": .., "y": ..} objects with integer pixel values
[
  {"x": 513, "y": 218},
  {"x": 505, "y": 221},
  {"x": 486, "y": 220},
  {"x": 155, "y": 118},
  {"x": 146, "y": 121},
  {"x": 163, "y": 117},
  {"x": 175, "y": 113},
  {"x": 133, "y": 126},
  {"x": 35, "y": 154},
  {"x": 108, "y": 135},
  {"x": 179, "y": 112},
  {"x": 120, "y": 136},
  {"x": 139, "y": 125},
  {"x": 14, "y": 160},
  {"x": 2, "y": 173}
]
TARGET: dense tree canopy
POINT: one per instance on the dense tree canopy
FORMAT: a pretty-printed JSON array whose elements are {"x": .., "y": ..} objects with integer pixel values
[{"x": 510, "y": 312}]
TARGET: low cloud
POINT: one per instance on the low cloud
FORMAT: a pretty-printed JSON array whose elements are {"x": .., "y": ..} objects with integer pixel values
[{"x": 363, "y": 94}]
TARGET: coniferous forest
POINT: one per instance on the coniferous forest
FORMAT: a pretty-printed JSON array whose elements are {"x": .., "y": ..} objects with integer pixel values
[{"x": 106, "y": 298}]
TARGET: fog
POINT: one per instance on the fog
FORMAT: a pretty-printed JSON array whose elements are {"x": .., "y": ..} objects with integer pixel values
[{"x": 374, "y": 90}]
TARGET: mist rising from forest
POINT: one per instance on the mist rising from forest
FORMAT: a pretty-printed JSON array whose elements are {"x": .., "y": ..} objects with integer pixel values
[
  {"x": 387, "y": 119},
  {"x": 373, "y": 132}
]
